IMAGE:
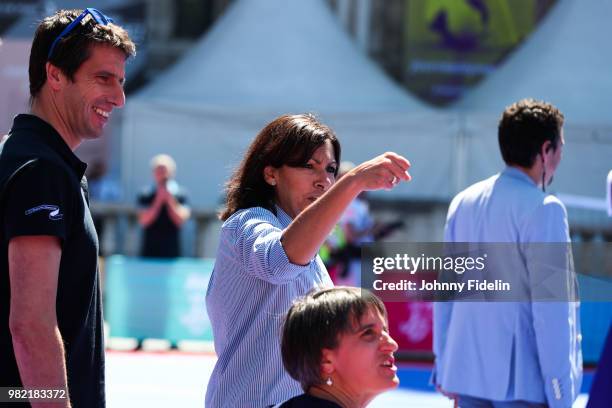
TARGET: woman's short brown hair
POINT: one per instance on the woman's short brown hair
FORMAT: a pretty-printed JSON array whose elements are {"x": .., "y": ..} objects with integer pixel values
[
  {"x": 316, "y": 322},
  {"x": 289, "y": 140}
]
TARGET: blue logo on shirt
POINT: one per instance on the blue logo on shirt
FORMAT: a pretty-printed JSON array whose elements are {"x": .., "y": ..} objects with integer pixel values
[{"x": 54, "y": 214}]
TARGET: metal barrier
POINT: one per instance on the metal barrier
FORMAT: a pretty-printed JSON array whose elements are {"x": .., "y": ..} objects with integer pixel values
[{"x": 120, "y": 232}]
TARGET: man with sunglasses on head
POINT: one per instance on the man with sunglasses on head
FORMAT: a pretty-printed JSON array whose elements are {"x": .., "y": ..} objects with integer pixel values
[{"x": 51, "y": 335}]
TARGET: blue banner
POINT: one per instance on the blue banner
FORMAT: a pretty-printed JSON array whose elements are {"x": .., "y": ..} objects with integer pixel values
[{"x": 157, "y": 298}]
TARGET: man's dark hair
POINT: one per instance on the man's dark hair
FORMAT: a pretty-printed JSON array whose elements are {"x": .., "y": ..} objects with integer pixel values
[
  {"x": 289, "y": 140},
  {"x": 524, "y": 127},
  {"x": 73, "y": 49},
  {"x": 316, "y": 322}
]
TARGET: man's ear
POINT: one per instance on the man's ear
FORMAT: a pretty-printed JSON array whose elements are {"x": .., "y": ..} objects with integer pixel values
[
  {"x": 55, "y": 77},
  {"x": 270, "y": 174},
  {"x": 327, "y": 362},
  {"x": 547, "y": 146},
  {"x": 544, "y": 151}
]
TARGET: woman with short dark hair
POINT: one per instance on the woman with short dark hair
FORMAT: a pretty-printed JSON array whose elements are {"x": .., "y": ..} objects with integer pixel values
[
  {"x": 282, "y": 202},
  {"x": 336, "y": 343}
]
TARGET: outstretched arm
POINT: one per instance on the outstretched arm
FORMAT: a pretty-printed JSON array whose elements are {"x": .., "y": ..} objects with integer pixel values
[{"x": 305, "y": 235}]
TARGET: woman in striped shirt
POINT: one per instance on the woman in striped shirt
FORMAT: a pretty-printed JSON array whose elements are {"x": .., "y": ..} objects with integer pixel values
[{"x": 282, "y": 202}]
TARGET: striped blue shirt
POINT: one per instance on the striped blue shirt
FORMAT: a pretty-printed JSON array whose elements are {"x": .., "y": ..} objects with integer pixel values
[{"x": 252, "y": 286}]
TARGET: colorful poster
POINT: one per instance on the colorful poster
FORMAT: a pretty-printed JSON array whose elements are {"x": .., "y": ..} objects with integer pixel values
[{"x": 451, "y": 45}]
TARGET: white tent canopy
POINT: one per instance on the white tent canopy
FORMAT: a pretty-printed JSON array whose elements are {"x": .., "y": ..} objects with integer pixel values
[
  {"x": 292, "y": 55},
  {"x": 264, "y": 58},
  {"x": 567, "y": 62}
]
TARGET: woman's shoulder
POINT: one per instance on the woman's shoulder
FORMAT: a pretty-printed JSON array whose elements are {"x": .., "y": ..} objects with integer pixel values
[
  {"x": 308, "y": 401},
  {"x": 250, "y": 215}
]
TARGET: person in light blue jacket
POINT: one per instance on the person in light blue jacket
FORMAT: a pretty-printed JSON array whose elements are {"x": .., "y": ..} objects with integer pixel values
[{"x": 523, "y": 353}]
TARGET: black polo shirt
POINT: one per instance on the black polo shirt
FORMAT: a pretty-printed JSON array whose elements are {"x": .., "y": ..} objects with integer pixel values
[{"x": 48, "y": 196}]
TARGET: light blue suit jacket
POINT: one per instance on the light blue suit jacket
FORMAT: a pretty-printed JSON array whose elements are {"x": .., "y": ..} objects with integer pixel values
[{"x": 508, "y": 350}]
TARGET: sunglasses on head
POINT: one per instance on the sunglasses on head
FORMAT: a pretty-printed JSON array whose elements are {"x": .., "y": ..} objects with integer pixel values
[{"x": 96, "y": 14}]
